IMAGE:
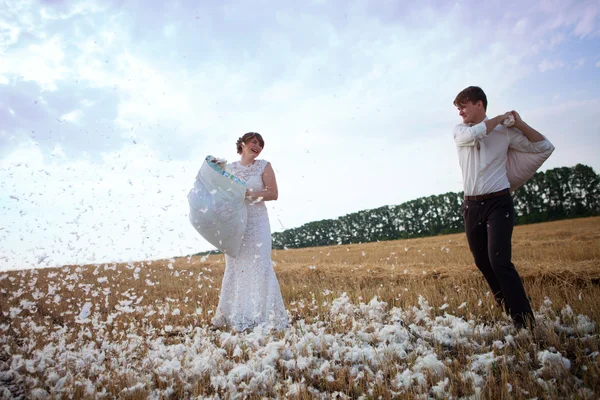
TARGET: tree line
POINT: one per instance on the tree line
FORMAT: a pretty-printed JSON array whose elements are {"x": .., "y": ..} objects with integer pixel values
[{"x": 559, "y": 193}]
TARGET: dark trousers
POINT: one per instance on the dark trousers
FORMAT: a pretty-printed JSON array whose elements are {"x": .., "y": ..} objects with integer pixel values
[{"x": 489, "y": 226}]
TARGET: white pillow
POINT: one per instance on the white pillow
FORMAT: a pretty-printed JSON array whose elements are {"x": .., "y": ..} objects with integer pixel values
[
  {"x": 217, "y": 209},
  {"x": 520, "y": 166}
]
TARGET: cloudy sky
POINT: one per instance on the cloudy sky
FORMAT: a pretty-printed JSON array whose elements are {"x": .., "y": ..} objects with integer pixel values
[{"x": 107, "y": 108}]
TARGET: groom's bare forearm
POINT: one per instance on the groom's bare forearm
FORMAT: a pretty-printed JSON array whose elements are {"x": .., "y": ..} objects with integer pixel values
[
  {"x": 491, "y": 123},
  {"x": 529, "y": 132}
]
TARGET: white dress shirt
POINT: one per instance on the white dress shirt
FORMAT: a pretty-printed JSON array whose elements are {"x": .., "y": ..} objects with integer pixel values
[{"x": 482, "y": 157}]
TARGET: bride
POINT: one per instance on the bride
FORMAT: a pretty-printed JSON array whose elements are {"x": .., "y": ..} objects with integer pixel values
[{"x": 250, "y": 294}]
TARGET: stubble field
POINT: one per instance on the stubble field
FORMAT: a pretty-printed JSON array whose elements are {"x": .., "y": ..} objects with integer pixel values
[{"x": 410, "y": 319}]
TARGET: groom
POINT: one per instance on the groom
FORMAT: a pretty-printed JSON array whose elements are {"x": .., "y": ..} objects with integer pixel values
[{"x": 488, "y": 210}]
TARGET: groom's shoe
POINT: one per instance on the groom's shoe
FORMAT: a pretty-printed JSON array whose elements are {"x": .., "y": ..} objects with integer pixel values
[
  {"x": 524, "y": 321},
  {"x": 502, "y": 304}
]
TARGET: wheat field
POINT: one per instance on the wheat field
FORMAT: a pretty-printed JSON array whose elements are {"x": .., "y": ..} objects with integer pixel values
[{"x": 399, "y": 319}]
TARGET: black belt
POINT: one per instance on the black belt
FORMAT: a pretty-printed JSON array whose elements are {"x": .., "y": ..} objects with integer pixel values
[{"x": 487, "y": 196}]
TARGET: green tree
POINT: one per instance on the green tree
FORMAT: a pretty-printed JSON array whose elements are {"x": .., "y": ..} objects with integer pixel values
[{"x": 555, "y": 194}]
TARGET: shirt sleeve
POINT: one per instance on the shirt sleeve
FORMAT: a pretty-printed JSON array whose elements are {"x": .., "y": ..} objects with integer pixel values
[
  {"x": 519, "y": 142},
  {"x": 465, "y": 135}
]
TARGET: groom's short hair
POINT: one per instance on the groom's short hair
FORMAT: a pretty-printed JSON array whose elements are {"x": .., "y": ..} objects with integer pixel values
[{"x": 471, "y": 94}]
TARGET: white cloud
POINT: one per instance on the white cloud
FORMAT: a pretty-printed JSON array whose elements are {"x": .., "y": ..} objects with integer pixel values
[
  {"x": 557, "y": 39},
  {"x": 26, "y": 153},
  {"x": 587, "y": 24},
  {"x": 170, "y": 30},
  {"x": 58, "y": 152},
  {"x": 41, "y": 56},
  {"x": 521, "y": 26},
  {"x": 87, "y": 103},
  {"x": 76, "y": 9},
  {"x": 98, "y": 214},
  {"x": 9, "y": 34},
  {"x": 42, "y": 63},
  {"x": 577, "y": 15},
  {"x": 73, "y": 116},
  {"x": 357, "y": 106},
  {"x": 547, "y": 65}
]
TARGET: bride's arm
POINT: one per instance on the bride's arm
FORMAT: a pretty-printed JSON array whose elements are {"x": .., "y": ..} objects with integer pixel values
[{"x": 270, "y": 191}]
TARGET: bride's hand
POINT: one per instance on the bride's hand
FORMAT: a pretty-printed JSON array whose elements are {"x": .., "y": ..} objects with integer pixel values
[{"x": 219, "y": 161}]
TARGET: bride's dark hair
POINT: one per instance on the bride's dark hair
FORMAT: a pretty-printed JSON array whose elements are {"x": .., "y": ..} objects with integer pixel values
[{"x": 246, "y": 137}]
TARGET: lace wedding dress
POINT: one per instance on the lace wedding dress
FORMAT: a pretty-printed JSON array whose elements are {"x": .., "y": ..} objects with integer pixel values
[{"x": 250, "y": 293}]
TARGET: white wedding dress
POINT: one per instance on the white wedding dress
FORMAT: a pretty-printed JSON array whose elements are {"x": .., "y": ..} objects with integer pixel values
[{"x": 250, "y": 294}]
